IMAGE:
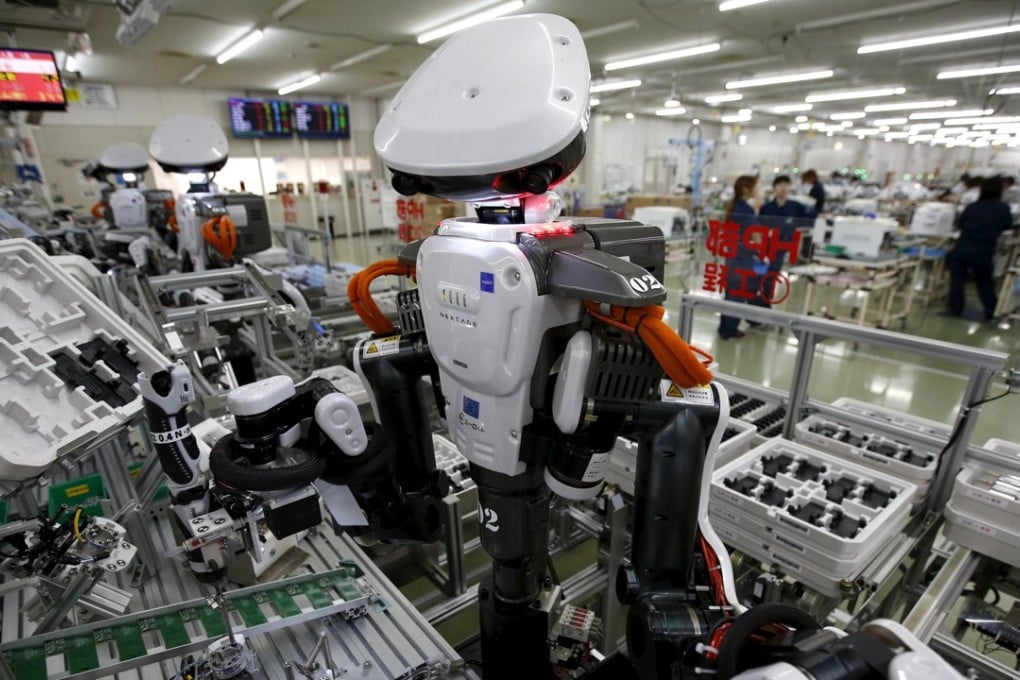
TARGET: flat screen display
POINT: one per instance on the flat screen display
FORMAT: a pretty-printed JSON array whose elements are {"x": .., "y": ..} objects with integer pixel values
[
  {"x": 321, "y": 120},
  {"x": 29, "y": 80},
  {"x": 260, "y": 117}
]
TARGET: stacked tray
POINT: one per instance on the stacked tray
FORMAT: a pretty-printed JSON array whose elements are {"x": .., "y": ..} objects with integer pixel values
[{"x": 984, "y": 511}]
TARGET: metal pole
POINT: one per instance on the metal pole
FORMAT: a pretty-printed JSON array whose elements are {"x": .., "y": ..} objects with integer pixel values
[
  {"x": 616, "y": 509},
  {"x": 311, "y": 188},
  {"x": 454, "y": 547},
  {"x": 806, "y": 342},
  {"x": 344, "y": 199}
]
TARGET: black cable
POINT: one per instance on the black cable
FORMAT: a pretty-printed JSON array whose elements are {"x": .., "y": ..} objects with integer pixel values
[{"x": 960, "y": 424}]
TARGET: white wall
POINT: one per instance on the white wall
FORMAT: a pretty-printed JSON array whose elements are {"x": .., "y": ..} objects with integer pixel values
[{"x": 67, "y": 140}]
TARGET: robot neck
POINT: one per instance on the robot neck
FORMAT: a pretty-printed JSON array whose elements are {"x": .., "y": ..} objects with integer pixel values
[{"x": 528, "y": 209}]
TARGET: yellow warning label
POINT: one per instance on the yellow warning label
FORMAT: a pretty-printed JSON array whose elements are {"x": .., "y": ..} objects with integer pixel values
[
  {"x": 372, "y": 348},
  {"x": 76, "y": 490},
  {"x": 674, "y": 391}
]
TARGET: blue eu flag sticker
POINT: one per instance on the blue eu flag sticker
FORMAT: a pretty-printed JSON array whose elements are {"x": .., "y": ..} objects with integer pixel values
[{"x": 470, "y": 407}]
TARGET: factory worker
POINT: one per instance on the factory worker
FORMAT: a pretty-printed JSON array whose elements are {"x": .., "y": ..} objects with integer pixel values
[
  {"x": 741, "y": 211},
  {"x": 815, "y": 190},
  {"x": 784, "y": 215}
]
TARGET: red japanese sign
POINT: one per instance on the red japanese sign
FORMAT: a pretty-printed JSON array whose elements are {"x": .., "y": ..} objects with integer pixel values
[{"x": 727, "y": 240}]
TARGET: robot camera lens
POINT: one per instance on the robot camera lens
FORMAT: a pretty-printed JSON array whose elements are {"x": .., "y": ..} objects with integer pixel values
[{"x": 406, "y": 185}]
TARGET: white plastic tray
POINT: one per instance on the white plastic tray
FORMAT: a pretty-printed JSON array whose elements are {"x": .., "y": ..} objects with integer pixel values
[
  {"x": 1002, "y": 446},
  {"x": 451, "y": 460},
  {"x": 982, "y": 536},
  {"x": 43, "y": 309},
  {"x": 897, "y": 421},
  {"x": 921, "y": 475},
  {"x": 880, "y": 524},
  {"x": 975, "y": 496}
]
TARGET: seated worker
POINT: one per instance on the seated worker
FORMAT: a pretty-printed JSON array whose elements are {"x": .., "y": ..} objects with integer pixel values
[{"x": 785, "y": 215}]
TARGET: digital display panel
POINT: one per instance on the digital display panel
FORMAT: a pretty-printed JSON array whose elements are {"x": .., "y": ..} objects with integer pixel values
[
  {"x": 29, "y": 80},
  {"x": 322, "y": 120},
  {"x": 260, "y": 117}
]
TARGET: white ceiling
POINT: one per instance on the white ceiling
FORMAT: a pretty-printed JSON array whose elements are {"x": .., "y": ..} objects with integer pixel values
[{"x": 776, "y": 36}]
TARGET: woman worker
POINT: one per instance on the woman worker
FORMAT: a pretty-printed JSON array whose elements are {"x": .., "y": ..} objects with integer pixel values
[{"x": 741, "y": 212}]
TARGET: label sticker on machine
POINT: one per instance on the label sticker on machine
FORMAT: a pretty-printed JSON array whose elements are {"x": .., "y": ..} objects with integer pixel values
[
  {"x": 471, "y": 407},
  {"x": 670, "y": 391},
  {"x": 487, "y": 282},
  {"x": 171, "y": 436},
  {"x": 596, "y": 467},
  {"x": 381, "y": 347}
]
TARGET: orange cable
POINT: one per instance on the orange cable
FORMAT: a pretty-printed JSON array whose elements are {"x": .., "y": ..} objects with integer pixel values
[
  {"x": 679, "y": 360},
  {"x": 221, "y": 234},
  {"x": 360, "y": 295},
  {"x": 98, "y": 210}
]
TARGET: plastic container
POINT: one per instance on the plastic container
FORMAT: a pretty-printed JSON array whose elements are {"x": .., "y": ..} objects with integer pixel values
[
  {"x": 995, "y": 541},
  {"x": 798, "y": 503},
  {"x": 896, "y": 456},
  {"x": 46, "y": 313},
  {"x": 988, "y": 493}
]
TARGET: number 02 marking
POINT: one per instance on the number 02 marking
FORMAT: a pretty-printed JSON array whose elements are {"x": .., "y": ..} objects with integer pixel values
[{"x": 643, "y": 284}]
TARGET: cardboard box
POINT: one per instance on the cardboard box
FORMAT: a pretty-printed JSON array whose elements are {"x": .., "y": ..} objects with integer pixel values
[{"x": 642, "y": 200}]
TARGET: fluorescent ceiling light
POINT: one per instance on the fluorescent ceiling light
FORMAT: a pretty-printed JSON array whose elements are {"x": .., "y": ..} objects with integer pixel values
[
  {"x": 663, "y": 56},
  {"x": 361, "y": 56},
  {"x": 925, "y": 126},
  {"x": 889, "y": 121},
  {"x": 854, "y": 94},
  {"x": 594, "y": 101},
  {"x": 849, "y": 115},
  {"x": 975, "y": 72},
  {"x": 800, "y": 119},
  {"x": 910, "y": 106},
  {"x": 300, "y": 84},
  {"x": 675, "y": 111},
  {"x": 71, "y": 63},
  {"x": 611, "y": 28},
  {"x": 896, "y": 135},
  {"x": 867, "y": 132},
  {"x": 614, "y": 85},
  {"x": 468, "y": 21},
  {"x": 736, "y": 118},
  {"x": 951, "y": 130},
  {"x": 1010, "y": 127},
  {"x": 723, "y": 98},
  {"x": 671, "y": 103},
  {"x": 192, "y": 74},
  {"x": 982, "y": 121},
  {"x": 1005, "y": 90},
  {"x": 791, "y": 108},
  {"x": 938, "y": 39},
  {"x": 892, "y": 10},
  {"x": 239, "y": 46},
  {"x": 727, "y": 5},
  {"x": 934, "y": 115},
  {"x": 286, "y": 8},
  {"x": 780, "y": 79}
]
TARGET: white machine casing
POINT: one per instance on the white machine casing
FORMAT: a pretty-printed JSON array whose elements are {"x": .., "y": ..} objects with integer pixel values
[
  {"x": 189, "y": 143},
  {"x": 485, "y": 322},
  {"x": 933, "y": 219},
  {"x": 129, "y": 208},
  {"x": 125, "y": 157},
  {"x": 461, "y": 116},
  {"x": 862, "y": 236}
]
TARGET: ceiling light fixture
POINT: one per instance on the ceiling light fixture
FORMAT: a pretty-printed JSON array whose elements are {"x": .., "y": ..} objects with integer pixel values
[
  {"x": 715, "y": 99},
  {"x": 192, "y": 74},
  {"x": 286, "y": 8},
  {"x": 1005, "y": 90},
  {"x": 675, "y": 111},
  {"x": 910, "y": 106},
  {"x": 791, "y": 108},
  {"x": 359, "y": 57},
  {"x": 71, "y": 63},
  {"x": 982, "y": 121},
  {"x": 727, "y": 5},
  {"x": 892, "y": 10},
  {"x": 239, "y": 46},
  {"x": 611, "y": 28},
  {"x": 473, "y": 20},
  {"x": 300, "y": 84},
  {"x": 671, "y": 103},
  {"x": 925, "y": 126},
  {"x": 896, "y": 135},
  {"x": 800, "y": 119},
  {"x": 780, "y": 79},
  {"x": 854, "y": 94},
  {"x": 976, "y": 72},
  {"x": 935, "y": 115},
  {"x": 594, "y": 101},
  {"x": 663, "y": 56},
  {"x": 741, "y": 117},
  {"x": 849, "y": 115},
  {"x": 889, "y": 121},
  {"x": 938, "y": 39},
  {"x": 613, "y": 85}
]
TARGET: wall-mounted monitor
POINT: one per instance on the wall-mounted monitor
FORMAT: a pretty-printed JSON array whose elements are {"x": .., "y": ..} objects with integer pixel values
[
  {"x": 322, "y": 120},
  {"x": 29, "y": 80},
  {"x": 260, "y": 118}
]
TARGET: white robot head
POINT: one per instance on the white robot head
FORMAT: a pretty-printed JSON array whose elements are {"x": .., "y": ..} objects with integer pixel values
[
  {"x": 453, "y": 131},
  {"x": 189, "y": 143}
]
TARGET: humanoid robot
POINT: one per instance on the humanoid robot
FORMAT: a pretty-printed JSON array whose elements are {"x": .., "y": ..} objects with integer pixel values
[
  {"x": 213, "y": 228},
  {"x": 542, "y": 341}
]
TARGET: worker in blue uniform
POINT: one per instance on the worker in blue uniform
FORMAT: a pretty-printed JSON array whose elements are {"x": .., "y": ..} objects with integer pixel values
[
  {"x": 738, "y": 287},
  {"x": 979, "y": 228},
  {"x": 815, "y": 190},
  {"x": 785, "y": 216}
]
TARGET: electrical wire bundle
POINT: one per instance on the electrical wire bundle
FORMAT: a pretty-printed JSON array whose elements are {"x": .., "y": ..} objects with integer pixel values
[
  {"x": 221, "y": 234},
  {"x": 361, "y": 297}
]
